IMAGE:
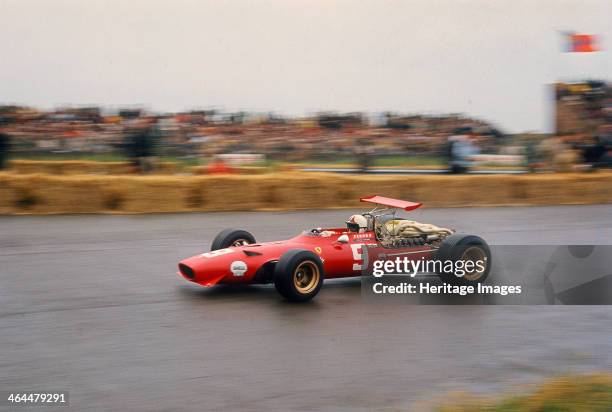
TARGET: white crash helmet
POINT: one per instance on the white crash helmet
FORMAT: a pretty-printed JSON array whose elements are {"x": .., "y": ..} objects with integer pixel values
[{"x": 357, "y": 223}]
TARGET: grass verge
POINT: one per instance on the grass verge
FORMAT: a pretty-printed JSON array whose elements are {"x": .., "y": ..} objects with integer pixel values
[{"x": 571, "y": 393}]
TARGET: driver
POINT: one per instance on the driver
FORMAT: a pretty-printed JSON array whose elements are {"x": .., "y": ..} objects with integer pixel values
[{"x": 357, "y": 223}]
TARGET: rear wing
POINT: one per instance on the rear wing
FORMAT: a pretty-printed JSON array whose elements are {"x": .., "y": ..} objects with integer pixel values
[{"x": 387, "y": 201}]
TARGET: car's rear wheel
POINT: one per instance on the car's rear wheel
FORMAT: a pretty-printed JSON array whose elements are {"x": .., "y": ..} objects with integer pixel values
[
  {"x": 464, "y": 248},
  {"x": 298, "y": 275},
  {"x": 232, "y": 237}
]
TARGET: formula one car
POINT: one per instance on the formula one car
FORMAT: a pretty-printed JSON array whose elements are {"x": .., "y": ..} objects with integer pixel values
[{"x": 298, "y": 266}]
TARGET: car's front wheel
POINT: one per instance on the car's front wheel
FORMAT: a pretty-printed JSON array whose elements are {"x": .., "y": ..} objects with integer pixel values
[
  {"x": 232, "y": 237},
  {"x": 298, "y": 275},
  {"x": 470, "y": 259}
]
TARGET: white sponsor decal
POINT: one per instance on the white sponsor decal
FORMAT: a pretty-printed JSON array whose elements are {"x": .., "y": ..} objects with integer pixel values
[{"x": 238, "y": 267}]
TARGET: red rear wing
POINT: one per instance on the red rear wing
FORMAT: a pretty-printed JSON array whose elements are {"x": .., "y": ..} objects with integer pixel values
[{"x": 386, "y": 201}]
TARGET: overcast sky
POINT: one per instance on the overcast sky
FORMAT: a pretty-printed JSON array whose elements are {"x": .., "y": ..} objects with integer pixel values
[{"x": 488, "y": 58}]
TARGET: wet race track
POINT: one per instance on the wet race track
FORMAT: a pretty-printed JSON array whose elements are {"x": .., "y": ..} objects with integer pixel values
[{"x": 92, "y": 305}]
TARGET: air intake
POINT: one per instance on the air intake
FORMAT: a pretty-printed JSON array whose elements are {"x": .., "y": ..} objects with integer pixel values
[{"x": 186, "y": 271}]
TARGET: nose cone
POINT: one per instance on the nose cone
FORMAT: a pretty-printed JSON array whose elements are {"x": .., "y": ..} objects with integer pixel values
[{"x": 206, "y": 272}]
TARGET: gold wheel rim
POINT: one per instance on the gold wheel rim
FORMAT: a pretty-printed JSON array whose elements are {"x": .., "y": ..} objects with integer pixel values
[
  {"x": 240, "y": 242},
  {"x": 306, "y": 277},
  {"x": 474, "y": 253}
]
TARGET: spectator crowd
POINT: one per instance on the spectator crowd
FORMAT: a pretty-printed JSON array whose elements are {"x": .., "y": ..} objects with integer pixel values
[
  {"x": 583, "y": 134},
  {"x": 207, "y": 133}
]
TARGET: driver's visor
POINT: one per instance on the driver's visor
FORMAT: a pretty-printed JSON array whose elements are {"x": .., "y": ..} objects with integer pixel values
[{"x": 353, "y": 227}]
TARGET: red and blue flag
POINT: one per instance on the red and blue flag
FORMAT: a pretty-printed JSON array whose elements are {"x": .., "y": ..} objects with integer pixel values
[{"x": 580, "y": 43}]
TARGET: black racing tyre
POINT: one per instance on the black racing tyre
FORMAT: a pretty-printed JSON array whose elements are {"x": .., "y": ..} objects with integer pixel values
[
  {"x": 460, "y": 247},
  {"x": 298, "y": 275},
  {"x": 232, "y": 237}
]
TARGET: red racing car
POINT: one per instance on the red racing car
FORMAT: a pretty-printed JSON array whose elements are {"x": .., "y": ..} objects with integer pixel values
[{"x": 298, "y": 266}]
